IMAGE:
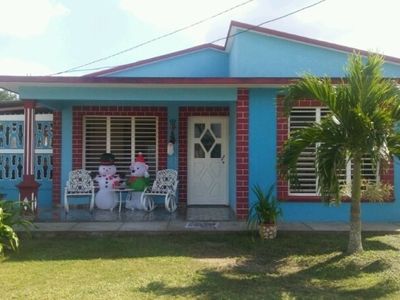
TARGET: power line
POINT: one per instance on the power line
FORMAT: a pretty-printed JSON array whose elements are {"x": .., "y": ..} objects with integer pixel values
[
  {"x": 78, "y": 68},
  {"x": 269, "y": 21},
  {"x": 153, "y": 40}
]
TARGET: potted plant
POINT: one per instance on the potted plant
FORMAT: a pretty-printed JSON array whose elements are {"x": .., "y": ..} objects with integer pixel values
[{"x": 264, "y": 212}]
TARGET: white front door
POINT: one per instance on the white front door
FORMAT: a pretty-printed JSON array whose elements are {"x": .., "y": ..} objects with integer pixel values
[{"x": 208, "y": 161}]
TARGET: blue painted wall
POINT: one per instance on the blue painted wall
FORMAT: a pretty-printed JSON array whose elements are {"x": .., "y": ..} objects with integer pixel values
[
  {"x": 124, "y": 96},
  {"x": 257, "y": 55},
  {"x": 66, "y": 146},
  {"x": 262, "y": 139},
  {"x": 263, "y": 171},
  {"x": 202, "y": 63},
  {"x": 372, "y": 212}
]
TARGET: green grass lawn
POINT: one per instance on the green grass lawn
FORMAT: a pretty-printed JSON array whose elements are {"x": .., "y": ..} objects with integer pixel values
[{"x": 203, "y": 266}]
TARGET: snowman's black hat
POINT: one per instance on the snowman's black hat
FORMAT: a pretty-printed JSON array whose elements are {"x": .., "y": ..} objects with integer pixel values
[{"x": 107, "y": 159}]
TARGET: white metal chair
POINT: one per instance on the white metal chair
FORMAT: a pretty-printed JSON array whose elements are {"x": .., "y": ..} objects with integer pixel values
[
  {"x": 165, "y": 185},
  {"x": 79, "y": 183}
]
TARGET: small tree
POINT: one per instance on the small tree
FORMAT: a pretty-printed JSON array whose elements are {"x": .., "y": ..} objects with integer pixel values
[
  {"x": 365, "y": 108},
  {"x": 7, "y": 96}
]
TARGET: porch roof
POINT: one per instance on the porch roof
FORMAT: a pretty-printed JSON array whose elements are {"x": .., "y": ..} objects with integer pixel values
[{"x": 15, "y": 83}]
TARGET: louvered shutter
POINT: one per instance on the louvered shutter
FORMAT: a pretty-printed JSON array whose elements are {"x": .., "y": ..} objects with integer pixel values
[
  {"x": 307, "y": 178},
  {"x": 125, "y": 137},
  {"x": 120, "y": 137},
  {"x": 95, "y": 141},
  {"x": 146, "y": 141},
  {"x": 307, "y": 181},
  {"x": 368, "y": 170}
]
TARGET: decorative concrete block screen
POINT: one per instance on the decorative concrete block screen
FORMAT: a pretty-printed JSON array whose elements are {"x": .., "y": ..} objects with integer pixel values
[{"x": 12, "y": 150}]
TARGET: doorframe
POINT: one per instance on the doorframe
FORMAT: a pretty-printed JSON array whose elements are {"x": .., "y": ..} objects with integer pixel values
[
  {"x": 226, "y": 153},
  {"x": 184, "y": 114}
]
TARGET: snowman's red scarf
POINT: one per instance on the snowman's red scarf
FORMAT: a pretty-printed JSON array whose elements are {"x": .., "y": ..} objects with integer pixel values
[{"x": 114, "y": 183}]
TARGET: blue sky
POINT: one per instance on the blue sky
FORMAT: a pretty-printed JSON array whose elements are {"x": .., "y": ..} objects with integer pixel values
[{"x": 40, "y": 37}]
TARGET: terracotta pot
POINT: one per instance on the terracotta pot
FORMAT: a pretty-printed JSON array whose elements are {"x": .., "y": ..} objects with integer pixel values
[{"x": 267, "y": 231}]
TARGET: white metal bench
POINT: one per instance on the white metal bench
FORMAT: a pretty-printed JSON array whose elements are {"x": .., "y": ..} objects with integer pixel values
[
  {"x": 165, "y": 184},
  {"x": 79, "y": 183}
]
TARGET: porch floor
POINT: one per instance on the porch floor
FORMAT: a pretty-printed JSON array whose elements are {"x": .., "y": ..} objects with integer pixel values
[
  {"x": 185, "y": 219},
  {"x": 191, "y": 213}
]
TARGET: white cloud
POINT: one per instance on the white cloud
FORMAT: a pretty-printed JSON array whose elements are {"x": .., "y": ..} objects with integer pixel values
[
  {"x": 364, "y": 24},
  {"x": 166, "y": 16},
  {"x": 14, "y": 66},
  {"x": 26, "y": 18},
  {"x": 175, "y": 13},
  {"x": 368, "y": 25}
]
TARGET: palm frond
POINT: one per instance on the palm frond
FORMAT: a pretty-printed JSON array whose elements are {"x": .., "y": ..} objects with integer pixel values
[
  {"x": 293, "y": 148},
  {"x": 310, "y": 87}
]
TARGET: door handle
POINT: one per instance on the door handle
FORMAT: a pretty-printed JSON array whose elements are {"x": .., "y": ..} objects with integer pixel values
[{"x": 223, "y": 158}]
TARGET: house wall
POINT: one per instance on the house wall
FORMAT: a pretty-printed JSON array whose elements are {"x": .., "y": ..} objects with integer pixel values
[
  {"x": 262, "y": 139},
  {"x": 202, "y": 63},
  {"x": 263, "y": 170},
  {"x": 159, "y": 97},
  {"x": 250, "y": 55},
  {"x": 62, "y": 97},
  {"x": 257, "y": 55}
]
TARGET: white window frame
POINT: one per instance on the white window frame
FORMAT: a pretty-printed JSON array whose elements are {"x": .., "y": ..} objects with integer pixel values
[{"x": 348, "y": 166}]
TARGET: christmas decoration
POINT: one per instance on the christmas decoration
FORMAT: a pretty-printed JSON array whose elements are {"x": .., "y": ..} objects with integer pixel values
[{"x": 108, "y": 179}]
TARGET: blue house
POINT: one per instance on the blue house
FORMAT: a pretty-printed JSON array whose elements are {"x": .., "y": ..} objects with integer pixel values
[{"x": 220, "y": 106}]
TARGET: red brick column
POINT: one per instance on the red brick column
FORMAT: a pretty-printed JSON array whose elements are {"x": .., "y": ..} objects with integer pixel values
[
  {"x": 184, "y": 113},
  {"x": 282, "y": 133},
  {"x": 56, "y": 158},
  {"x": 242, "y": 153}
]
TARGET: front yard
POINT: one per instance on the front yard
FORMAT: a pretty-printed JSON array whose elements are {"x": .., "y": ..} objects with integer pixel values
[{"x": 204, "y": 266}]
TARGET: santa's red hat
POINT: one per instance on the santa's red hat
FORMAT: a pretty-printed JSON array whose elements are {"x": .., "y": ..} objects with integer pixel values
[{"x": 139, "y": 157}]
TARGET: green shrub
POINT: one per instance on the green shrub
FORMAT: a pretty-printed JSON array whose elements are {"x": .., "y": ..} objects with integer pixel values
[{"x": 10, "y": 215}]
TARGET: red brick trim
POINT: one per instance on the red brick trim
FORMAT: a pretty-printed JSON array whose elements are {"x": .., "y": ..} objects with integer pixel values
[
  {"x": 77, "y": 130},
  {"x": 386, "y": 174},
  {"x": 56, "y": 193},
  {"x": 242, "y": 153},
  {"x": 184, "y": 113}
]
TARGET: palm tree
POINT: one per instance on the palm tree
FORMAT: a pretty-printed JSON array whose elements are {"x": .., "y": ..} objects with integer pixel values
[{"x": 364, "y": 108}]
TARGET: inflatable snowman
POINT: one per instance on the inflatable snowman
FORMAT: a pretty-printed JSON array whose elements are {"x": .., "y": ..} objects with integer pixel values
[
  {"x": 108, "y": 180},
  {"x": 138, "y": 181}
]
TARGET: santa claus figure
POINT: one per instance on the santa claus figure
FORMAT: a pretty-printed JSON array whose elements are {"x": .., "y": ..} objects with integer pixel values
[
  {"x": 138, "y": 181},
  {"x": 107, "y": 180}
]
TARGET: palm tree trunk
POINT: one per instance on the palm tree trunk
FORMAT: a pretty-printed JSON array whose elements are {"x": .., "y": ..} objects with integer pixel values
[{"x": 355, "y": 241}]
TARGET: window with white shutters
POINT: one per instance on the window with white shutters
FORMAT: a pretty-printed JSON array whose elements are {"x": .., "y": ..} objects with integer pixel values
[
  {"x": 145, "y": 141},
  {"x": 122, "y": 136},
  {"x": 307, "y": 185},
  {"x": 95, "y": 142},
  {"x": 307, "y": 180}
]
